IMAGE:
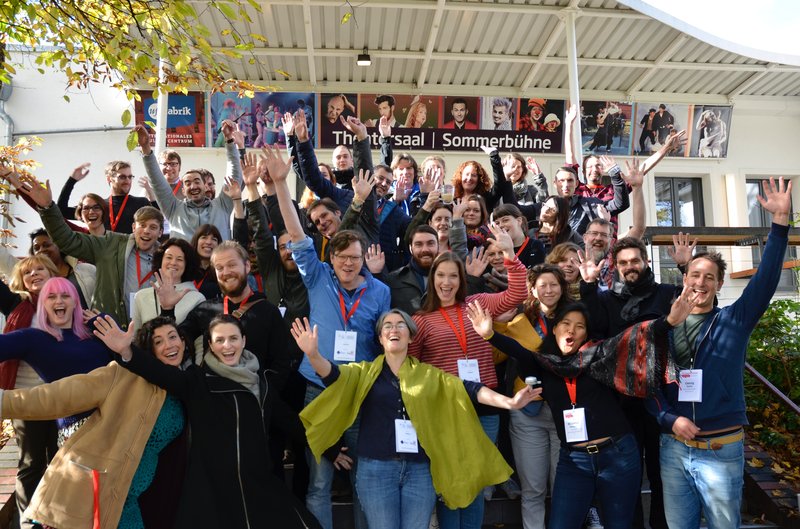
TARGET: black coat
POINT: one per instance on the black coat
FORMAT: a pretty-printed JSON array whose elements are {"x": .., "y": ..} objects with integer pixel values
[{"x": 229, "y": 482}]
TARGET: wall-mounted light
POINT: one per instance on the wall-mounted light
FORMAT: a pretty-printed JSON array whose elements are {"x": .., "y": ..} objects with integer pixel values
[{"x": 363, "y": 58}]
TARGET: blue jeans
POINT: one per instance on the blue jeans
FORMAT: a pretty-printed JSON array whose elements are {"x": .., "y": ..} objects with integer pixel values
[
  {"x": 320, "y": 479},
  {"x": 395, "y": 494},
  {"x": 612, "y": 476},
  {"x": 695, "y": 479},
  {"x": 470, "y": 517}
]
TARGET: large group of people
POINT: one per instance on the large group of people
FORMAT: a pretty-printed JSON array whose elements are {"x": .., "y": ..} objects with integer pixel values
[{"x": 392, "y": 327}]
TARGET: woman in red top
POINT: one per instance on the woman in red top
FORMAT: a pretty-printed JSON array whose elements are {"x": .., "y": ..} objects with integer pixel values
[{"x": 446, "y": 340}]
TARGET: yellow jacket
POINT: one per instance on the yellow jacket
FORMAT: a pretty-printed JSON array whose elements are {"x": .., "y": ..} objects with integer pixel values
[{"x": 111, "y": 441}]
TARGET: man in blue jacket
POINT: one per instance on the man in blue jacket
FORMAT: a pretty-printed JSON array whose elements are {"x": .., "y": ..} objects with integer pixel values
[{"x": 702, "y": 456}]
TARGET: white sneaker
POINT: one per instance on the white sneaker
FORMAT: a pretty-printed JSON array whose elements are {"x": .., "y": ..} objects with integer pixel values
[
  {"x": 511, "y": 489},
  {"x": 593, "y": 519},
  {"x": 488, "y": 492}
]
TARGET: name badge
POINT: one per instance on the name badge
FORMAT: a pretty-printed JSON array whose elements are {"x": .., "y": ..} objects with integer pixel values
[
  {"x": 690, "y": 385},
  {"x": 282, "y": 311},
  {"x": 131, "y": 306},
  {"x": 344, "y": 346},
  {"x": 405, "y": 437},
  {"x": 575, "y": 425},
  {"x": 468, "y": 370}
]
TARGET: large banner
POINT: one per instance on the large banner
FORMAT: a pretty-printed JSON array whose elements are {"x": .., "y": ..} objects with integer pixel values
[
  {"x": 606, "y": 127},
  {"x": 443, "y": 123},
  {"x": 186, "y": 119},
  {"x": 706, "y": 129}
]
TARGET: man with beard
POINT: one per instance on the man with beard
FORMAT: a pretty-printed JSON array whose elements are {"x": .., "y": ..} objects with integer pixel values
[
  {"x": 346, "y": 302},
  {"x": 121, "y": 205},
  {"x": 186, "y": 215},
  {"x": 409, "y": 283}
]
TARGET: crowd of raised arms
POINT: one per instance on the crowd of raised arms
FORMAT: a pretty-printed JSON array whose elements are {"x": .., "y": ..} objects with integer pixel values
[{"x": 395, "y": 322}]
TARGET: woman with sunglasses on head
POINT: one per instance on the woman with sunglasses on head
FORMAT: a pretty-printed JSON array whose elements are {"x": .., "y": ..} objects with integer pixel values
[
  {"x": 229, "y": 481},
  {"x": 419, "y": 434},
  {"x": 445, "y": 341},
  {"x": 598, "y": 455},
  {"x": 118, "y": 445}
]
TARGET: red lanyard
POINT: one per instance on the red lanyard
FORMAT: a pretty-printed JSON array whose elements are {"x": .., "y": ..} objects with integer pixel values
[
  {"x": 200, "y": 284},
  {"x": 347, "y": 315},
  {"x": 572, "y": 389},
  {"x": 114, "y": 221},
  {"x": 259, "y": 283},
  {"x": 225, "y": 303},
  {"x": 177, "y": 188},
  {"x": 524, "y": 244},
  {"x": 543, "y": 326},
  {"x": 142, "y": 280},
  {"x": 460, "y": 336}
]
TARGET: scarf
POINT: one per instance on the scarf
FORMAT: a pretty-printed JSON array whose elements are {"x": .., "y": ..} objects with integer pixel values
[
  {"x": 635, "y": 362},
  {"x": 463, "y": 459},
  {"x": 244, "y": 373},
  {"x": 19, "y": 318},
  {"x": 633, "y": 293}
]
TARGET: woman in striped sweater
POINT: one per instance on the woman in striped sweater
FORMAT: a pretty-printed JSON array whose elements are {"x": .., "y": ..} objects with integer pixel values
[{"x": 446, "y": 340}]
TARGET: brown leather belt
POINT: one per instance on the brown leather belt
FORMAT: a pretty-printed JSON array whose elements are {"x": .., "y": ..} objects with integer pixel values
[{"x": 713, "y": 443}]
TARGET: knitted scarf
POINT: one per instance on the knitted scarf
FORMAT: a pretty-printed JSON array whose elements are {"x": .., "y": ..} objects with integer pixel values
[
  {"x": 463, "y": 459},
  {"x": 633, "y": 293},
  {"x": 635, "y": 362},
  {"x": 244, "y": 373}
]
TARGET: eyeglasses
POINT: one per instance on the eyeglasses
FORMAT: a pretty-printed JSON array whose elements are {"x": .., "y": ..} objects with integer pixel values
[
  {"x": 400, "y": 326},
  {"x": 348, "y": 258},
  {"x": 171, "y": 164},
  {"x": 91, "y": 208},
  {"x": 600, "y": 234}
]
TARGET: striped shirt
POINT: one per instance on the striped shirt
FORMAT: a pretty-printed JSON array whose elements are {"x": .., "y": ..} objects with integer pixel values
[{"x": 436, "y": 342}]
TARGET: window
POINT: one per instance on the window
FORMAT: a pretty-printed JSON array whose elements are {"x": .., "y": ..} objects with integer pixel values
[
  {"x": 679, "y": 202},
  {"x": 760, "y": 218}
]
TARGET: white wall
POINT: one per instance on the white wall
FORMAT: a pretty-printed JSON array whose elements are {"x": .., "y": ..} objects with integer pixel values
[{"x": 763, "y": 140}]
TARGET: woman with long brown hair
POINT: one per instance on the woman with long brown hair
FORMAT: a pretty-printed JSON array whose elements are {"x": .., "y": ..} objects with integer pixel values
[{"x": 554, "y": 224}]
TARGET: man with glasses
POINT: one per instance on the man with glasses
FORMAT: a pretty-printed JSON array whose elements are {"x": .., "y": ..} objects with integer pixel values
[
  {"x": 170, "y": 162},
  {"x": 346, "y": 302}
]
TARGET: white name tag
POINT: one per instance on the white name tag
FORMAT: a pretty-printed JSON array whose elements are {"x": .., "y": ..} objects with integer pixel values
[
  {"x": 283, "y": 311},
  {"x": 405, "y": 437},
  {"x": 468, "y": 370},
  {"x": 130, "y": 306},
  {"x": 690, "y": 385},
  {"x": 344, "y": 346},
  {"x": 575, "y": 425}
]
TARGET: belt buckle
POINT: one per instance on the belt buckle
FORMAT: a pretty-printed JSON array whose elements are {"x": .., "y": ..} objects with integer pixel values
[
  {"x": 592, "y": 449},
  {"x": 687, "y": 441}
]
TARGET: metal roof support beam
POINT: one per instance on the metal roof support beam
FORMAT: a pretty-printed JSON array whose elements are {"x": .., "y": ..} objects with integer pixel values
[
  {"x": 750, "y": 81},
  {"x": 312, "y": 64},
  {"x": 673, "y": 47},
  {"x": 432, "y": 36},
  {"x": 569, "y": 15}
]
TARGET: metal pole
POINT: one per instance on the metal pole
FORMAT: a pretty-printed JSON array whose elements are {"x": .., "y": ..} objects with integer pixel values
[
  {"x": 568, "y": 16},
  {"x": 161, "y": 112}
]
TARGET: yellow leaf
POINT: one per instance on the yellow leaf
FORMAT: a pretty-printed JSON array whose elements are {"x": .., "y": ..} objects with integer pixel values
[
  {"x": 126, "y": 117},
  {"x": 755, "y": 463},
  {"x": 777, "y": 468},
  {"x": 283, "y": 73},
  {"x": 346, "y": 18},
  {"x": 132, "y": 140}
]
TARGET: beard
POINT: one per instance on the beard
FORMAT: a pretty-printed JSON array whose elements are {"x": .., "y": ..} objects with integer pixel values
[{"x": 237, "y": 288}]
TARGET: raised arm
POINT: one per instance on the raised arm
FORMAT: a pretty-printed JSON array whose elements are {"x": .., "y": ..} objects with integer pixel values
[
  {"x": 278, "y": 169},
  {"x": 569, "y": 123},
  {"x": 634, "y": 177},
  {"x": 307, "y": 339},
  {"x": 517, "y": 291},
  {"x": 671, "y": 144},
  {"x": 166, "y": 200},
  {"x": 78, "y": 174}
]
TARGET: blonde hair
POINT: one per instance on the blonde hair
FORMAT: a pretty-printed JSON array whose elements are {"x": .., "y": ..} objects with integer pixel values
[{"x": 17, "y": 284}]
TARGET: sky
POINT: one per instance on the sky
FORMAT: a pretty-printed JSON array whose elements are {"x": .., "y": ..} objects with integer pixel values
[{"x": 770, "y": 25}]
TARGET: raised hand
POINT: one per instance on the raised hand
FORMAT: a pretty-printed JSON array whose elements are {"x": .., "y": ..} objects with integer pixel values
[
  {"x": 80, "y": 172},
  {"x": 481, "y": 319},
  {"x": 300, "y": 126},
  {"x": 681, "y": 249},
  {"x": 228, "y": 127},
  {"x": 277, "y": 169},
  {"x": 238, "y": 137},
  {"x": 533, "y": 167},
  {"x": 363, "y": 184},
  {"x": 488, "y": 150},
  {"x": 590, "y": 271},
  {"x": 607, "y": 162},
  {"x": 354, "y": 125},
  {"x": 42, "y": 195},
  {"x": 603, "y": 212},
  {"x": 503, "y": 240},
  {"x": 164, "y": 285},
  {"x": 634, "y": 176},
  {"x": 571, "y": 114},
  {"x": 306, "y": 337},
  {"x": 232, "y": 188},
  {"x": 459, "y": 207},
  {"x": 119, "y": 341},
  {"x": 288, "y": 123},
  {"x": 143, "y": 138},
  {"x": 384, "y": 128},
  {"x": 250, "y": 169},
  {"x": 682, "y": 306},
  {"x": 375, "y": 259},
  {"x": 777, "y": 199},
  {"x": 476, "y": 262},
  {"x": 675, "y": 141},
  {"x": 402, "y": 188}
]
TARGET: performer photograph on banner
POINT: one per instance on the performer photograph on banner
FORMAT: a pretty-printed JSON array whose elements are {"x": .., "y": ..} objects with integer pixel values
[
  {"x": 333, "y": 109},
  {"x": 654, "y": 123},
  {"x": 606, "y": 127},
  {"x": 541, "y": 115},
  {"x": 421, "y": 112},
  {"x": 230, "y": 106},
  {"x": 460, "y": 113},
  {"x": 267, "y": 109},
  {"x": 498, "y": 113},
  {"x": 710, "y": 126}
]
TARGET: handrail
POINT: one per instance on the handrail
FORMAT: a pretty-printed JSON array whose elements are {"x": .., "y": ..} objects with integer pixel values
[{"x": 772, "y": 389}]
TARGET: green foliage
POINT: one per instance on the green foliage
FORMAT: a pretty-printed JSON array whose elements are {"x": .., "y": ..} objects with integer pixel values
[
  {"x": 774, "y": 351},
  {"x": 120, "y": 42}
]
